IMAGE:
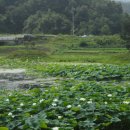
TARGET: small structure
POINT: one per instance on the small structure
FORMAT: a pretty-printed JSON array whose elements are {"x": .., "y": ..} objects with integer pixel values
[{"x": 17, "y": 39}]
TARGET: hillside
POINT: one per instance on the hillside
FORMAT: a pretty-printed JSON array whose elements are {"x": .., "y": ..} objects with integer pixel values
[{"x": 60, "y": 16}]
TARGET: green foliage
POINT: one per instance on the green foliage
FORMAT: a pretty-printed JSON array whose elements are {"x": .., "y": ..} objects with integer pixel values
[
  {"x": 109, "y": 41},
  {"x": 74, "y": 104},
  {"x": 18, "y": 54},
  {"x": 105, "y": 30},
  {"x": 2, "y": 23},
  {"x": 47, "y": 23},
  {"x": 83, "y": 44},
  {"x": 55, "y": 17},
  {"x": 25, "y": 54},
  {"x": 89, "y": 72},
  {"x": 87, "y": 96},
  {"x": 126, "y": 31},
  {"x": 65, "y": 42},
  {"x": 4, "y": 128}
]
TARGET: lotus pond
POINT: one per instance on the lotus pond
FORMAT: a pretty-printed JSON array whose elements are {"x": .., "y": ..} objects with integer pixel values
[{"x": 86, "y": 97}]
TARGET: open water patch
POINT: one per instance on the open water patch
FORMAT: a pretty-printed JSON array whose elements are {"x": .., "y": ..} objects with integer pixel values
[{"x": 14, "y": 79}]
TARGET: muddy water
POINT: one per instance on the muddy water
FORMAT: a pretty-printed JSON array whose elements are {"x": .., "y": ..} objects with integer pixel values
[{"x": 17, "y": 79}]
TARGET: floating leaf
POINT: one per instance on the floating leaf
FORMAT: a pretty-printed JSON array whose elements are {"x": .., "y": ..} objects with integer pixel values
[
  {"x": 4, "y": 128},
  {"x": 75, "y": 109},
  {"x": 43, "y": 125}
]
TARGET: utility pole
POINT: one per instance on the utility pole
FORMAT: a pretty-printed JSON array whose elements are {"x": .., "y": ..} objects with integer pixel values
[
  {"x": 73, "y": 21},
  {"x": 72, "y": 4}
]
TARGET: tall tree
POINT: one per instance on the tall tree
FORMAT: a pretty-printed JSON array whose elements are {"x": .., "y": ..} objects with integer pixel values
[
  {"x": 50, "y": 22},
  {"x": 84, "y": 16},
  {"x": 126, "y": 30}
]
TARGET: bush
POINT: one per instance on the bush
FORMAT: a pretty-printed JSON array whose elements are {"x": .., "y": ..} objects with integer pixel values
[
  {"x": 2, "y": 43},
  {"x": 83, "y": 44},
  {"x": 109, "y": 41},
  {"x": 128, "y": 46}
]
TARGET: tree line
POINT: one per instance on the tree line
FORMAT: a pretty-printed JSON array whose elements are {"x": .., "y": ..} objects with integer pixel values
[{"x": 61, "y": 16}]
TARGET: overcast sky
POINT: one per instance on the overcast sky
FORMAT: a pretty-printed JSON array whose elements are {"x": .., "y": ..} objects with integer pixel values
[{"x": 123, "y": 0}]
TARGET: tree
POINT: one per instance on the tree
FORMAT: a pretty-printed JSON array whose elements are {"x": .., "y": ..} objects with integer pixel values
[
  {"x": 50, "y": 22},
  {"x": 126, "y": 30},
  {"x": 60, "y": 16},
  {"x": 105, "y": 30},
  {"x": 2, "y": 23}
]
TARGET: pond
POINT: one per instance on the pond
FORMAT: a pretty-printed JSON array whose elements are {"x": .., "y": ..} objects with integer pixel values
[{"x": 18, "y": 79}]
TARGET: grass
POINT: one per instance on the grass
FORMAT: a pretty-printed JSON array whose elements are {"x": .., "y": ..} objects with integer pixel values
[
  {"x": 91, "y": 95},
  {"x": 68, "y": 42},
  {"x": 91, "y": 55},
  {"x": 64, "y": 48}
]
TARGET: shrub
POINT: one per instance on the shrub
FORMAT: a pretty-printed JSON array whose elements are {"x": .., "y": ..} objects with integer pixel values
[
  {"x": 83, "y": 44},
  {"x": 128, "y": 46}
]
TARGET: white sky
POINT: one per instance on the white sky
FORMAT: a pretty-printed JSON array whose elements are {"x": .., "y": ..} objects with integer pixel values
[{"x": 123, "y": 0}]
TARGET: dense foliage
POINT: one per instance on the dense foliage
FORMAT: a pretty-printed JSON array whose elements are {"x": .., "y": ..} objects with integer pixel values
[
  {"x": 89, "y": 102},
  {"x": 60, "y": 16},
  {"x": 126, "y": 31},
  {"x": 90, "y": 41},
  {"x": 94, "y": 72}
]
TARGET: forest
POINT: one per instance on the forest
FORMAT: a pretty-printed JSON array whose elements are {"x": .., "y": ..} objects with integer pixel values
[{"x": 61, "y": 16}]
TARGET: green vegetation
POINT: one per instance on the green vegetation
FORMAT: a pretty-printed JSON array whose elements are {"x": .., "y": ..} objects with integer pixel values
[
  {"x": 126, "y": 32},
  {"x": 64, "y": 48},
  {"x": 60, "y": 17},
  {"x": 63, "y": 42},
  {"x": 91, "y": 67},
  {"x": 87, "y": 97}
]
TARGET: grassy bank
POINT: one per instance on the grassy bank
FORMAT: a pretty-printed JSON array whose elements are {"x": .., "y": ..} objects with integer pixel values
[
  {"x": 92, "y": 55},
  {"x": 64, "y": 48}
]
